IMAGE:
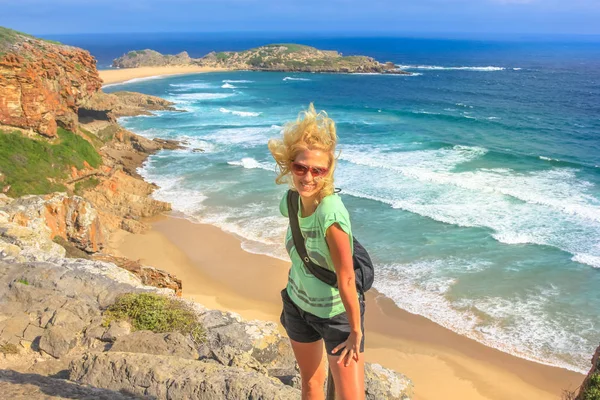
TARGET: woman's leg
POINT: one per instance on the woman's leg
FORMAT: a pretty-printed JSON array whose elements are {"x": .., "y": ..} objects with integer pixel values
[
  {"x": 312, "y": 368},
  {"x": 349, "y": 381}
]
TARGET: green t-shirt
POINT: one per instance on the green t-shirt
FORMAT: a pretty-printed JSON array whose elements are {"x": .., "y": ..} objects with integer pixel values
[{"x": 306, "y": 291}]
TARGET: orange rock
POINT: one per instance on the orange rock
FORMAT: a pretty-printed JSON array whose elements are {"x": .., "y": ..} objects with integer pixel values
[{"x": 42, "y": 85}]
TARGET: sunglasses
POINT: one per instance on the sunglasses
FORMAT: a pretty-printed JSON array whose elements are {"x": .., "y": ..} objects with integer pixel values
[{"x": 301, "y": 170}]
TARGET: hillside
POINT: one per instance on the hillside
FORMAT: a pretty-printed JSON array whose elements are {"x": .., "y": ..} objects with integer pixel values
[{"x": 272, "y": 57}]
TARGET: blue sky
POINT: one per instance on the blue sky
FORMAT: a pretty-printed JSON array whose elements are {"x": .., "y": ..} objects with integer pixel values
[{"x": 361, "y": 16}]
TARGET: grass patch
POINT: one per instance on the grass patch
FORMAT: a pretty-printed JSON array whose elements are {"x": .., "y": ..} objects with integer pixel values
[
  {"x": 37, "y": 166},
  {"x": 592, "y": 391},
  {"x": 9, "y": 348},
  {"x": 86, "y": 184},
  {"x": 156, "y": 313},
  {"x": 23, "y": 281}
]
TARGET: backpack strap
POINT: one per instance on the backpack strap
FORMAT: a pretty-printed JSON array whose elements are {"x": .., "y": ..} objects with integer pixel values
[{"x": 321, "y": 273}]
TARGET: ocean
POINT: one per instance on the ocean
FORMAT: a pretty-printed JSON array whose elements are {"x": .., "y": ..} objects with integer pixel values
[{"x": 474, "y": 182}]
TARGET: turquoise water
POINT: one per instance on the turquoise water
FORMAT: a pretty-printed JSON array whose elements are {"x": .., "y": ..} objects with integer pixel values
[{"x": 476, "y": 190}]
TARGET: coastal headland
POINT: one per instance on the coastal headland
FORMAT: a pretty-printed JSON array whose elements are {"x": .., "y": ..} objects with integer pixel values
[{"x": 79, "y": 228}]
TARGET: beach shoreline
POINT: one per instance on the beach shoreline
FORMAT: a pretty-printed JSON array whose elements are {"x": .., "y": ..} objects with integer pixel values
[
  {"x": 122, "y": 75},
  {"x": 218, "y": 273}
]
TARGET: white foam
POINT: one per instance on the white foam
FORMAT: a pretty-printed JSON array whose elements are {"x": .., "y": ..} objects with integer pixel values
[
  {"x": 228, "y": 86},
  {"x": 236, "y": 81},
  {"x": 240, "y": 113},
  {"x": 251, "y": 163},
  {"x": 549, "y": 207},
  {"x": 183, "y": 87},
  {"x": 592, "y": 260},
  {"x": 519, "y": 326},
  {"x": 289, "y": 78},
  {"x": 460, "y": 68},
  {"x": 548, "y": 158}
]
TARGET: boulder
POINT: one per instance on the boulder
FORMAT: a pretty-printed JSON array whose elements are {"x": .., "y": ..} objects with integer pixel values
[
  {"x": 382, "y": 383},
  {"x": 164, "y": 344},
  {"x": 58, "y": 341},
  {"x": 165, "y": 377}
]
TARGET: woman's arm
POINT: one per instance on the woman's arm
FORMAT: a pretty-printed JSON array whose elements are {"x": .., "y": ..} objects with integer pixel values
[{"x": 341, "y": 255}]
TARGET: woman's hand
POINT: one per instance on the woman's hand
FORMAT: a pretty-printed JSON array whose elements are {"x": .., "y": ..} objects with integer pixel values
[{"x": 351, "y": 348}]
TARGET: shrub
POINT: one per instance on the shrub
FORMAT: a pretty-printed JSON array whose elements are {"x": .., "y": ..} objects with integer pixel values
[
  {"x": 592, "y": 391},
  {"x": 23, "y": 281},
  {"x": 156, "y": 313},
  {"x": 9, "y": 348},
  {"x": 86, "y": 184}
]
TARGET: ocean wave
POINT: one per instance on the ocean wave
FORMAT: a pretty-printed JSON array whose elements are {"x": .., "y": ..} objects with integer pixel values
[
  {"x": 202, "y": 96},
  {"x": 228, "y": 86},
  {"x": 548, "y": 207},
  {"x": 521, "y": 327},
  {"x": 441, "y": 68},
  {"x": 183, "y": 87},
  {"x": 236, "y": 81},
  {"x": 548, "y": 158},
  {"x": 588, "y": 259},
  {"x": 289, "y": 78},
  {"x": 251, "y": 163},
  {"x": 240, "y": 113}
]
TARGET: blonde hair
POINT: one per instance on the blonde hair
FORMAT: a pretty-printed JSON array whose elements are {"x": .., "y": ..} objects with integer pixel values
[{"x": 310, "y": 131}]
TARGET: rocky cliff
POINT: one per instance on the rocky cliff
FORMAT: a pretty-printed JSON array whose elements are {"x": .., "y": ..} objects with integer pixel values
[
  {"x": 273, "y": 57},
  {"x": 42, "y": 84},
  {"x": 590, "y": 388}
]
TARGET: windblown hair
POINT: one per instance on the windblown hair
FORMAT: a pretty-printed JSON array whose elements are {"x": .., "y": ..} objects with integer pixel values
[{"x": 310, "y": 131}]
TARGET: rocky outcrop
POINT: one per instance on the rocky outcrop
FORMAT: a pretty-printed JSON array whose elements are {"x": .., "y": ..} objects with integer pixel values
[
  {"x": 42, "y": 84},
  {"x": 69, "y": 217},
  {"x": 272, "y": 57},
  {"x": 148, "y": 275},
  {"x": 52, "y": 311},
  {"x": 151, "y": 58},
  {"x": 592, "y": 380},
  {"x": 108, "y": 107}
]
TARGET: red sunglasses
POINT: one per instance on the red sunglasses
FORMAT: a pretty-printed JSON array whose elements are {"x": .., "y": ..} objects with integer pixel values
[{"x": 301, "y": 170}]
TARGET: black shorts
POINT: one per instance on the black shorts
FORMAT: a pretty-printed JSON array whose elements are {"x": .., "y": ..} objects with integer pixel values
[{"x": 307, "y": 328}]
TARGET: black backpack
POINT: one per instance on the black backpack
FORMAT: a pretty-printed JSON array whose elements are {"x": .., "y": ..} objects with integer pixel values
[{"x": 363, "y": 266}]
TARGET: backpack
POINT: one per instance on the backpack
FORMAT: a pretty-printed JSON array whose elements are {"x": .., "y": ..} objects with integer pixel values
[{"x": 363, "y": 266}]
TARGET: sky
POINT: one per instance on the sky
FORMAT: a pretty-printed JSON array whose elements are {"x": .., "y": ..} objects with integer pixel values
[{"x": 40, "y": 17}]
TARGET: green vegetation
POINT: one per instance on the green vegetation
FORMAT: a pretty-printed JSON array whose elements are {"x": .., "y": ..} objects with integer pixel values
[
  {"x": 592, "y": 391},
  {"x": 38, "y": 166},
  {"x": 222, "y": 56},
  {"x": 72, "y": 251},
  {"x": 9, "y": 348},
  {"x": 23, "y": 281},
  {"x": 156, "y": 313},
  {"x": 86, "y": 184},
  {"x": 9, "y": 37}
]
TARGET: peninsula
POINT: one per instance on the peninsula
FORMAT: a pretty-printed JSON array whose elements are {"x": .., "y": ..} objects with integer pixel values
[{"x": 272, "y": 57}]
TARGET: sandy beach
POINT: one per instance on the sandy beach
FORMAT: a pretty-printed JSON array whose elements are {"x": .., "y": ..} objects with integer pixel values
[
  {"x": 112, "y": 76},
  {"x": 442, "y": 364}
]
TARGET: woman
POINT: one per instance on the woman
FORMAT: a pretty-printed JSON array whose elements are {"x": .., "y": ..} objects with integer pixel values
[{"x": 313, "y": 311}]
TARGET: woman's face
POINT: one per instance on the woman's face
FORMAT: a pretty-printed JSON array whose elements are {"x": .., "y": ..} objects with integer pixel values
[{"x": 309, "y": 185}]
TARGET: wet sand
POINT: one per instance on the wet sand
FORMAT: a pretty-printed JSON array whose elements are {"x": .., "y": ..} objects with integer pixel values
[{"x": 442, "y": 364}]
